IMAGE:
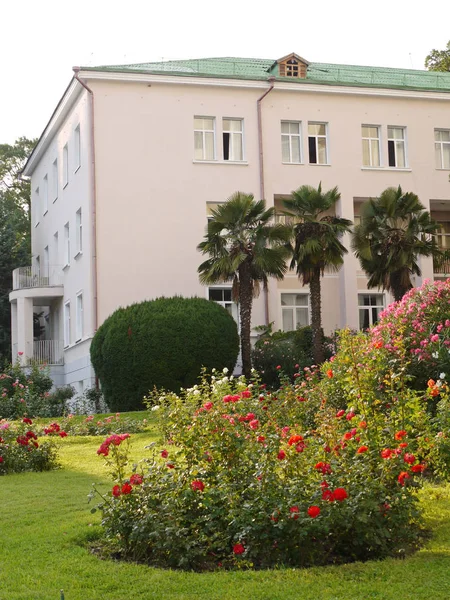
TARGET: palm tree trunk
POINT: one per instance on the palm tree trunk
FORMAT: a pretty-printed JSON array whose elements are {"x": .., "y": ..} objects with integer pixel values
[
  {"x": 316, "y": 317},
  {"x": 245, "y": 313},
  {"x": 397, "y": 286}
]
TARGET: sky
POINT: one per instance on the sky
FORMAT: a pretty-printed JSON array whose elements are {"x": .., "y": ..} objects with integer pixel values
[{"x": 40, "y": 41}]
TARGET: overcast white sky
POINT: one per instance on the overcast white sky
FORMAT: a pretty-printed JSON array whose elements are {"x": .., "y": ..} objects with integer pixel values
[{"x": 40, "y": 40}]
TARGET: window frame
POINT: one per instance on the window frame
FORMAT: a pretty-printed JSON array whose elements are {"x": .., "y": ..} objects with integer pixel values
[
  {"x": 55, "y": 182},
  {"x": 441, "y": 144},
  {"x": 369, "y": 308},
  {"x": 77, "y": 148},
  {"x": 290, "y": 136},
  {"x": 395, "y": 141},
  {"x": 232, "y": 134},
  {"x": 67, "y": 324},
  {"x": 37, "y": 206},
  {"x": 203, "y": 131},
  {"x": 316, "y": 137},
  {"x": 294, "y": 307},
  {"x": 370, "y": 139},
  {"x": 79, "y": 232},
  {"x": 65, "y": 165},
  {"x": 67, "y": 244},
  {"x": 234, "y": 306},
  {"x": 45, "y": 195},
  {"x": 79, "y": 317}
]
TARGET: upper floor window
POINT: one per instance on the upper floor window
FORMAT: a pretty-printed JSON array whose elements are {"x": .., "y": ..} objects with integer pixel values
[
  {"x": 65, "y": 165},
  {"x": 79, "y": 317},
  {"x": 317, "y": 143},
  {"x": 294, "y": 311},
  {"x": 45, "y": 195},
  {"x": 397, "y": 147},
  {"x": 37, "y": 206},
  {"x": 66, "y": 244},
  {"x": 233, "y": 143},
  {"x": 204, "y": 138},
  {"x": 442, "y": 148},
  {"x": 223, "y": 296},
  {"x": 55, "y": 180},
  {"x": 67, "y": 327},
  {"x": 292, "y": 66},
  {"x": 291, "y": 142},
  {"x": 370, "y": 306},
  {"x": 79, "y": 232},
  {"x": 371, "y": 145},
  {"x": 77, "y": 148}
]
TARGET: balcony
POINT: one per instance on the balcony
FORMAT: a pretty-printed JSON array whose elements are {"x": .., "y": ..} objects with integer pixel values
[
  {"x": 441, "y": 266},
  {"x": 42, "y": 352},
  {"x": 35, "y": 277}
]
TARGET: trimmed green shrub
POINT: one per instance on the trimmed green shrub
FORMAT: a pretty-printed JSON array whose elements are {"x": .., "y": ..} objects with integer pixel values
[{"x": 163, "y": 343}]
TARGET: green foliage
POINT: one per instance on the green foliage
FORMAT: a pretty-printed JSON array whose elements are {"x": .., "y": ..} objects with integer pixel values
[
  {"x": 163, "y": 343},
  {"x": 96, "y": 425},
  {"x": 26, "y": 393},
  {"x": 286, "y": 353},
  {"x": 438, "y": 60},
  {"x": 20, "y": 449},
  {"x": 245, "y": 481},
  {"x": 395, "y": 230}
]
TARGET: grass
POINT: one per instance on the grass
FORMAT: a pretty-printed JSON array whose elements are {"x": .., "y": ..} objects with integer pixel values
[{"x": 46, "y": 525}]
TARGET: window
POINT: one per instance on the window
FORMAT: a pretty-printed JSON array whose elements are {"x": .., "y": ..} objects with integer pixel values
[
  {"x": 65, "y": 165},
  {"x": 55, "y": 180},
  {"x": 443, "y": 236},
  {"x": 45, "y": 195},
  {"x": 37, "y": 267},
  {"x": 79, "y": 232},
  {"x": 442, "y": 148},
  {"x": 370, "y": 307},
  {"x": 66, "y": 245},
  {"x": 233, "y": 145},
  {"x": 371, "y": 145},
  {"x": 66, "y": 324},
  {"x": 223, "y": 297},
  {"x": 317, "y": 143},
  {"x": 294, "y": 311},
  {"x": 77, "y": 148},
  {"x": 291, "y": 142},
  {"x": 37, "y": 207},
  {"x": 79, "y": 315},
  {"x": 204, "y": 138},
  {"x": 396, "y": 147},
  {"x": 46, "y": 262},
  {"x": 56, "y": 248}
]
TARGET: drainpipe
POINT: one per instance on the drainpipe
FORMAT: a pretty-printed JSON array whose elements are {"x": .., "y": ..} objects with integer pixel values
[
  {"x": 93, "y": 207},
  {"x": 261, "y": 175}
]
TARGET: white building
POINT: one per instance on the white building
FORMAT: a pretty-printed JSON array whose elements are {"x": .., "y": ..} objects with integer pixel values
[{"x": 134, "y": 157}]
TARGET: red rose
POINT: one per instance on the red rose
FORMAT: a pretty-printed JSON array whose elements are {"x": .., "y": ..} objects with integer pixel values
[
  {"x": 281, "y": 455},
  {"x": 313, "y": 511},
  {"x": 164, "y": 453},
  {"x": 126, "y": 488},
  {"x": 340, "y": 413},
  {"x": 403, "y": 445},
  {"x": 278, "y": 367},
  {"x": 386, "y": 453},
  {"x": 246, "y": 394},
  {"x": 362, "y": 425},
  {"x": 362, "y": 449},
  {"x": 330, "y": 373},
  {"x": 136, "y": 479},
  {"x": 254, "y": 424},
  {"x": 27, "y": 420},
  {"x": 116, "y": 491},
  {"x": 294, "y": 439},
  {"x": 261, "y": 439},
  {"x": 170, "y": 466},
  {"x": 62, "y": 434},
  {"x": 238, "y": 549},
  {"x": 208, "y": 405},
  {"x": 294, "y": 510},
  {"x": 340, "y": 494},
  {"x": 418, "y": 469},
  {"x": 409, "y": 458},
  {"x": 348, "y": 435},
  {"x": 401, "y": 478},
  {"x": 197, "y": 485},
  {"x": 350, "y": 416},
  {"x": 325, "y": 468},
  {"x": 327, "y": 495},
  {"x": 400, "y": 434}
]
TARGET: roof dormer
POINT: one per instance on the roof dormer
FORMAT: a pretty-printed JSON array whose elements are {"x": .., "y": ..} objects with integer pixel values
[{"x": 293, "y": 66}]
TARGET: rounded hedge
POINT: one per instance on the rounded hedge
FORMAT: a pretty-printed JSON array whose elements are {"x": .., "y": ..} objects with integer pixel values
[{"x": 162, "y": 343}]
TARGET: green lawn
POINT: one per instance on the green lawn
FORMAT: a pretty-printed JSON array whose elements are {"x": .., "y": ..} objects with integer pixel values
[{"x": 46, "y": 523}]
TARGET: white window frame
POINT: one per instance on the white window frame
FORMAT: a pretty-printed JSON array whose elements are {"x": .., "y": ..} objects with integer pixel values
[
  {"x": 67, "y": 244},
  {"x": 55, "y": 182},
  {"x": 46, "y": 262},
  {"x": 56, "y": 248},
  {"x": 65, "y": 165},
  {"x": 291, "y": 137},
  {"x": 230, "y": 305},
  {"x": 233, "y": 134},
  {"x": 369, "y": 307},
  {"x": 67, "y": 327},
  {"x": 37, "y": 206},
  {"x": 370, "y": 139},
  {"x": 79, "y": 317},
  {"x": 203, "y": 132},
  {"x": 293, "y": 308},
  {"x": 45, "y": 195},
  {"x": 317, "y": 136},
  {"x": 396, "y": 142},
  {"x": 79, "y": 232},
  {"x": 440, "y": 144},
  {"x": 77, "y": 147}
]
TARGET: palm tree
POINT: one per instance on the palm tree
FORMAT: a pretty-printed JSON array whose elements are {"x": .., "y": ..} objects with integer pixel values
[
  {"x": 244, "y": 247},
  {"x": 395, "y": 230},
  {"x": 317, "y": 246}
]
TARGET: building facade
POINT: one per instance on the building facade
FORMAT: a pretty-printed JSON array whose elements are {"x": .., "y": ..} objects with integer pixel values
[{"x": 135, "y": 157}]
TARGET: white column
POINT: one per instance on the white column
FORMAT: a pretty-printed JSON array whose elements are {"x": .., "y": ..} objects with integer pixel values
[
  {"x": 24, "y": 329},
  {"x": 348, "y": 280}
]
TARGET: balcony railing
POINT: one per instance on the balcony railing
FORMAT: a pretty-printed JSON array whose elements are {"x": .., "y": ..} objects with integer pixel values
[
  {"x": 42, "y": 352},
  {"x": 35, "y": 277},
  {"x": 441, "y": 265}
]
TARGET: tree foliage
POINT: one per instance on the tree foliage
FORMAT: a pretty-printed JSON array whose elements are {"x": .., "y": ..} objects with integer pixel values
[
  {"x": 14, "y": 228},
  {"x": 395, "y": 230},
  {"x": 317, "y": 246},
  {"x": 439, "y": 60},
  {"x": 245, "y": 248}
]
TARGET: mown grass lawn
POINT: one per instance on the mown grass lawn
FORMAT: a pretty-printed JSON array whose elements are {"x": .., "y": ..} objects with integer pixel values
[{"x": 46, "y": 524}]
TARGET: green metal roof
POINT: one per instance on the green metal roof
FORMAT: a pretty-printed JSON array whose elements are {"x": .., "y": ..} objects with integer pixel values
[{"x": 319, "y": 73}]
